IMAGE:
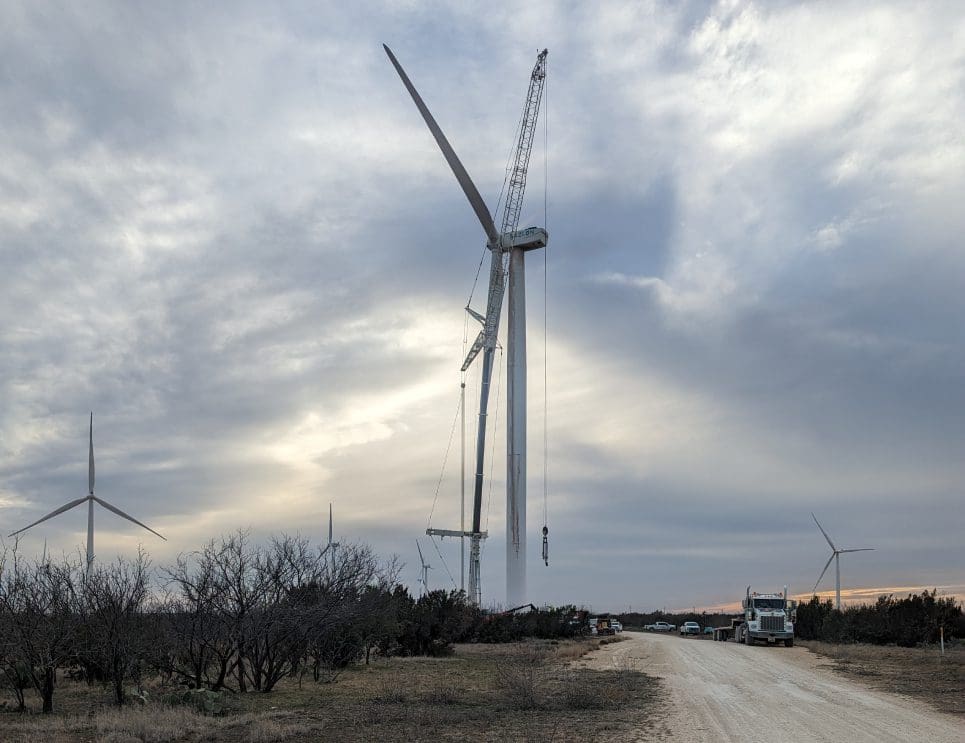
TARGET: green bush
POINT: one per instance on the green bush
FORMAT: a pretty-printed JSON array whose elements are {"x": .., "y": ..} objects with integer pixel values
[{"x": 906, "y": 622}]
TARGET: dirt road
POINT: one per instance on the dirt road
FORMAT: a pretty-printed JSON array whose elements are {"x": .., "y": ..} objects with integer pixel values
[{"x": 728, "y": 692}]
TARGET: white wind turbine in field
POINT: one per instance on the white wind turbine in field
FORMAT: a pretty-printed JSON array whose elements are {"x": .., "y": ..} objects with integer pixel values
[
  {"x": 508, "y": 247},
  {"x": 836, "y": 556},
  {"x": 426, "y": 567},
  {"x": 90, "y": 499}
]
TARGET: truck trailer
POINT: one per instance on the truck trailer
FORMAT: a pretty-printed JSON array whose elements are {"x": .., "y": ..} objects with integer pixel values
[{"x": 766, "y": 617}]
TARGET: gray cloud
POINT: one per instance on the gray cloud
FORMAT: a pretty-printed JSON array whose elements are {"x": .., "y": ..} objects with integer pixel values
[{"x": 226, "y": 232}]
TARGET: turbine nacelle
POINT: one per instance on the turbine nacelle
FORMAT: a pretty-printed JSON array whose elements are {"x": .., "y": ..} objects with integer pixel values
[{"x": 529, "y": 239}]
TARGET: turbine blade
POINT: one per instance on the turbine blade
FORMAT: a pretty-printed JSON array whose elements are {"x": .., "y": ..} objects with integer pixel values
[
  {"x": 477, "y": 346},
  {"x": 468, "y": 187},
  {"x": 418, "y": 547},
  {"x": 120, "y": 513},
  {"x": 863, "y": 549},
  {"x": 67, "y": 507},
  {"x": 90, "y": 466},
  {"x": 823, "y": 532},
  {"x": 826, "y": 566}
]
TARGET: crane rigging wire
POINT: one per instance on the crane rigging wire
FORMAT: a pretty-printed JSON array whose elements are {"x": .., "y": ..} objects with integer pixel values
[
  {"x": 446, "y": 566},
  {"x": 546, "y": 116},
  {"x": 445, "y": 459}
]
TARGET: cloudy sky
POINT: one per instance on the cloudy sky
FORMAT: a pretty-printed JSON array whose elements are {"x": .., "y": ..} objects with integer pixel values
[{"x": 226, "y": 231}]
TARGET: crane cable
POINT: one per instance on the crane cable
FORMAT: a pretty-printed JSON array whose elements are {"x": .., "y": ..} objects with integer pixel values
[
  {"x": 445, "y": 459},
  {"x": 446, "y": 566},
  {"x": 546, "y": 531}
]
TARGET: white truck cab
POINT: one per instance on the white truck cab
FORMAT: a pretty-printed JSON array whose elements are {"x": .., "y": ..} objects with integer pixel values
[{"x": 766, "y": 617}]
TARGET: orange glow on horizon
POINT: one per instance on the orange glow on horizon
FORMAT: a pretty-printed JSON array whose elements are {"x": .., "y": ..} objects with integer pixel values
[{"x": 849, "y": 597}]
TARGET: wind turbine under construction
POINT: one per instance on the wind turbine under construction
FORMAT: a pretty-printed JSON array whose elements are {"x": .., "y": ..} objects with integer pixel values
[
  {"x": 508, "y": 247},
  {"x": 836, "y": 556},
  {"x": 90, "y": 499}
]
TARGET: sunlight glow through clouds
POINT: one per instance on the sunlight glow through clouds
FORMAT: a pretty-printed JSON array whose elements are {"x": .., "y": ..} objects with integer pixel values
[{"x": 239, "y": 247}]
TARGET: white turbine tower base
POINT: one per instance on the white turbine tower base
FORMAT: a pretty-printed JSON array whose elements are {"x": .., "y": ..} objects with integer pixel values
[
  {"x": 90, "y": 499},
  {"x": 516, "y": 434}
]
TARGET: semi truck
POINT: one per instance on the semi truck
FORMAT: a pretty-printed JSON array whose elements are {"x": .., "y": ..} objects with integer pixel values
[{"x": 766, "y": 617}]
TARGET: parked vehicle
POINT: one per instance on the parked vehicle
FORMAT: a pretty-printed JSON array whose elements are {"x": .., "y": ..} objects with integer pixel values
[
  {"x": 708, "y": 630},
  {"x": 617, "y": 627},
  {"x": 690, "y": 628},
  {"x": 604, "y": 626},
  {"x": 768, "y": 617},
  {"x": 662, "y": 627}
]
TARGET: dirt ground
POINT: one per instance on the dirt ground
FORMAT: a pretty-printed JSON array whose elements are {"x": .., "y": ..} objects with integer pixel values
[
  {"x": 728, "y": 692},
  {"x": 922, "y": 673}
]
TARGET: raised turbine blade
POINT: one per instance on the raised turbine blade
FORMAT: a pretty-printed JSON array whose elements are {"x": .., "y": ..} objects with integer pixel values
[
  {"x": 477, "y": 346},
  {"x": 822, "y": 573},
  {"x": 67, "y": 507},
  {"x": 90, "y": 465},
  {"x": 468, "y": 187},
  {"x": 421, "y": 558},
  {"x": 863, "y": 549},
  {"x": 119, "y": 512},
  {"x": 823, "y": 532}
]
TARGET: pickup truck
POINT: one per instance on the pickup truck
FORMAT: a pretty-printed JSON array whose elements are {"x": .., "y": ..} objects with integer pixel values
[
  {"x": 661, "y": 627},
  {"x": 690, "y": 628}
]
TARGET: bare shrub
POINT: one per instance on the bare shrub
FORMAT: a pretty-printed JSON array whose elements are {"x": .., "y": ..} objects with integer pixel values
[
  {"x": 572, "y": 650},
  {"x": 389, "y": 694},
  {"x": 519, "y": 678},
  {"x": 442, "y": 696}
]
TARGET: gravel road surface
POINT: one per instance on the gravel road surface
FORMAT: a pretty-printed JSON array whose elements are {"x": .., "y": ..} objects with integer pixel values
[{"x": 727, "y": 692}]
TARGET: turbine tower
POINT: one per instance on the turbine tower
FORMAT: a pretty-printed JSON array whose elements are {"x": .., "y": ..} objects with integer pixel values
[
  {"x": 836, "y": 556},
  {"x": 508, "y": 247},
  {"x": 332, "y": 546},
  {"x": 90, "y": 498}
]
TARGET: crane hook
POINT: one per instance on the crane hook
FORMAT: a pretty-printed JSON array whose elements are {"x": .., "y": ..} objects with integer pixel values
[{"x": 546, "y": 546}]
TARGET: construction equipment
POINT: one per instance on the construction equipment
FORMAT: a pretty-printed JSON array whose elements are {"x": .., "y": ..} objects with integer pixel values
[{"x": 508, "y": 247}]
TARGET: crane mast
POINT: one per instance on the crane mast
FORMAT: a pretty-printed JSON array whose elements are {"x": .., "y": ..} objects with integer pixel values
[{"x": 509, "y": 239}]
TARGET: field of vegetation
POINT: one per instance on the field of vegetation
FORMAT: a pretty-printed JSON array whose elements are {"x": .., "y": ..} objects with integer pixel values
[
  {"x": 285, "y": 640},
  {"x": 491, "y": 692}
]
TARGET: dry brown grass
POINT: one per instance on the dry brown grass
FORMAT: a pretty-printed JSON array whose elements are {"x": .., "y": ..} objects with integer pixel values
[
  {"x": 271, "y": 730},
  {"x": 922, "y": 673},
  {"x": 527, "y": 691}
]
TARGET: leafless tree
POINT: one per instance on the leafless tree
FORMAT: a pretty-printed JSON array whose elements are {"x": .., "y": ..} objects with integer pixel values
[
  {"x": 117, "y": 621},
  {"x": 38, "y": 605}
]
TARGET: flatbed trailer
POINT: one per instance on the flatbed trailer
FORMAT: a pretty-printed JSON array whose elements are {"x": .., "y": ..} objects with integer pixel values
[{"x": 723, "y": 634}]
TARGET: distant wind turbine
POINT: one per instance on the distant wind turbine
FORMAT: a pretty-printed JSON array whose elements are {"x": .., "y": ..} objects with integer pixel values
[
  {"x": 835, "y": 555},
  {"x": 426, "y": 567},
  {"x": 331, "y": 545},
  {"x": 90, "y": 499}
]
